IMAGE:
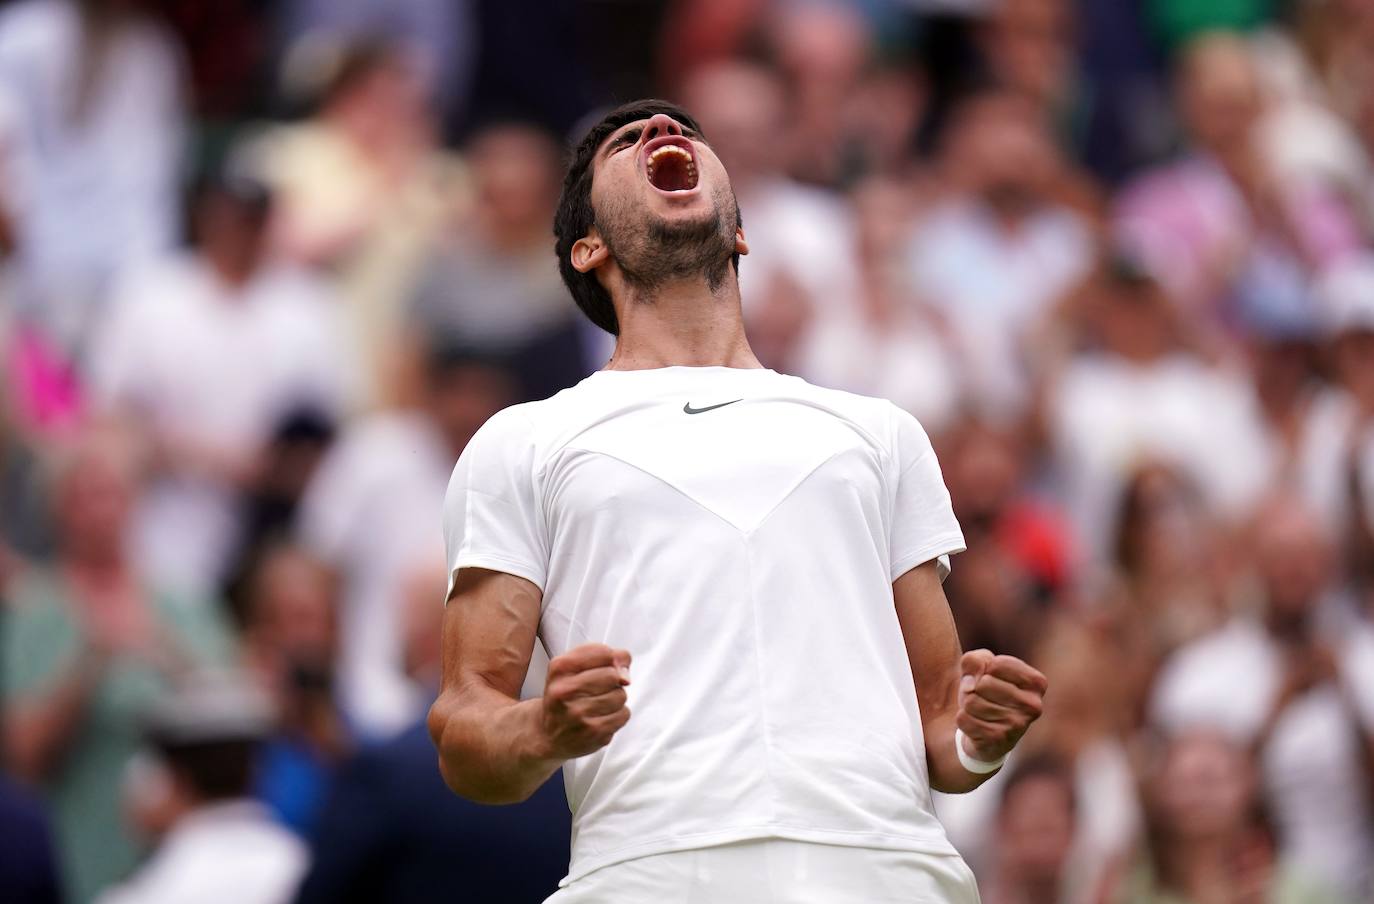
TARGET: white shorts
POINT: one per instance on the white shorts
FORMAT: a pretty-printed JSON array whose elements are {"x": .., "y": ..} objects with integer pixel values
[{"x": 777, "y": 871}]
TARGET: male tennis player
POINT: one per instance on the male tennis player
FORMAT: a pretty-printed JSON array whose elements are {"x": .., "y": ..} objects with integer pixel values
[{"x": 768, "y": 552}]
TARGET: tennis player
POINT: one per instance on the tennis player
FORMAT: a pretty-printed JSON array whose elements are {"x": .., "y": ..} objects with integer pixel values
[{"x": 749, "y": 563}]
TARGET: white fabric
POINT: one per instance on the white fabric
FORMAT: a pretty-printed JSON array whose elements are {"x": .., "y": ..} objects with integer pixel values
[
  {"x": 194, "y": 359},
  {"x": 992, "y": 284},
  {"x": 1328, "y": 445},
  {"x": 1108, "y": 416},
  {"x": 90, "y": 194},
  {"x": 1312, "y": 766},
  {"x": 372, "y": 511},
  {"x": 972, "y": 763},
  {"x": 229, "y": 853},
  {"x": 776, "y": 871},
  {"x": 744, "y": 556}
]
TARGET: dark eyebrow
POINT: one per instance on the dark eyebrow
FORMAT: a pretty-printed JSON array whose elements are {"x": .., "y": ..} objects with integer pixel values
[
  {"x": 624, "y": 136},
  {"x": 631, "y": 131}
]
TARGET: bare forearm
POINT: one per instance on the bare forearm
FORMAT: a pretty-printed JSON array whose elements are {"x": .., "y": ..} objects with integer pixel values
[
  {"x": 492, "y": 749},
  {"x": 37, "y": 729}
]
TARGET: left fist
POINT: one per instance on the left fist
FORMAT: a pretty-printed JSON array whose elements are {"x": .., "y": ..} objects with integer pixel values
[{"x": 999, "y": 698}]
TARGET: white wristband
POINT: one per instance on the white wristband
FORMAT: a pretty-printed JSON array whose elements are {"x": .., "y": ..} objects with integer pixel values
[{"x": 971, "y": 763}]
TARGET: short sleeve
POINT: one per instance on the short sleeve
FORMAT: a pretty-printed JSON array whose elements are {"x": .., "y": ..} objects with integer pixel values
[
  {"x": 923, "y": 522},
  {"x": 492, "y": 517}
]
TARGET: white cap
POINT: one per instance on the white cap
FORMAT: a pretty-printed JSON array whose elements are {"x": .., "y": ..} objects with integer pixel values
[{"x": 1345, "y": 292}]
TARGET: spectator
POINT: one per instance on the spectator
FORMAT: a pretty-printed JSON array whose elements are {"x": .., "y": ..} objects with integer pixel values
[
  {"x": 1142, "y": 397},
  {"x": 220, "y": 846},
  {"x": 1002, "y": 249},
  {"x": 1233, "y": 244},
  {"x": 493, "y": 285},
  {"x": 208, "y": 352},
  {"x": 1334, "y": 457},
  {"x": 417, "y": 838},
  {"x": 800, "y": 264},
  {"x": 1284, "y": 683},
  {"x": 440, "y": 34},
  {"x": 1208, "y": 836},
  {"x": 365, "y": 193},
  {"x": 1035, "y": 830},
  {"x": 88, "y": 643},
  {"x": 1168, "y": 563},
  {"x": 91, "y": 125},
  {"x": 370, "y": 521},
  {"x": 882, "y": 343},
  {"x": 290, "y": 645}
]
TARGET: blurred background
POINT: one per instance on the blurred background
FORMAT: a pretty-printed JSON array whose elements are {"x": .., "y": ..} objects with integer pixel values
[{"x": 267, "y": 266}]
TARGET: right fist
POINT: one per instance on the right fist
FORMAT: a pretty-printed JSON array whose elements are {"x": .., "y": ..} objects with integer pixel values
[{"x": 584, "y": 699}]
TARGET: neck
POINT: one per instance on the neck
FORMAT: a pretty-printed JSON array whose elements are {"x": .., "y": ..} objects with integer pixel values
[{"x": 681, "y": 323}]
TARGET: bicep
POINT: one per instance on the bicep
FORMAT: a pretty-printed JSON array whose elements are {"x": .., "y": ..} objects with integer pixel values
[
  {"x": 932, "y": 642},
  {"x": 490, "y": 623}
]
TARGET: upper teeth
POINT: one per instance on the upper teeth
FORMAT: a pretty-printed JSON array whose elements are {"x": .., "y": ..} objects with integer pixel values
[{"x": 658, "y": 153}]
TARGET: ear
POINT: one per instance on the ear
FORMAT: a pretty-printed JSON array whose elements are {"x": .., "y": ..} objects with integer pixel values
[
  {"x": 741, "y": 244},
  {"x": 589, "y": 252}
]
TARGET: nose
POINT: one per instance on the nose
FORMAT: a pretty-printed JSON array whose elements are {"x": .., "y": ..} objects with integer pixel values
[{"x": 659, "y": 125}]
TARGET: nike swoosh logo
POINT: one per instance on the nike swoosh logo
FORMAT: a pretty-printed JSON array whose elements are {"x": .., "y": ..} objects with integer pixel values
[{"x": 688, "y": 409}]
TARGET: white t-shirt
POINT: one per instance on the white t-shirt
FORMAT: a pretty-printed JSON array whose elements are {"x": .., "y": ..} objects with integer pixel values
[
  {"x": 738, "y": 531},
  {"x": 190, "y": 357},
  {"x": 1109, "y": 416}
]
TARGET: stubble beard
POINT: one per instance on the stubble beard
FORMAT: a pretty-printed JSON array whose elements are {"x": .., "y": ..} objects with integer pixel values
[{"x": 653, "y": 252}]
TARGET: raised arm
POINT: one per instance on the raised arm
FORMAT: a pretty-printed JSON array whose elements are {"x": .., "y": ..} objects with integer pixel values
[
  {"x": 993, "y": 699},
  {"x": 493, "y": 747}
]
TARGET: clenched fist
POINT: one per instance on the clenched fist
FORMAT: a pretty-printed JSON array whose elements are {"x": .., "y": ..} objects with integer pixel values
[
  {"x": 999, "y": 698},
  {"x": 584, "y": 699}
]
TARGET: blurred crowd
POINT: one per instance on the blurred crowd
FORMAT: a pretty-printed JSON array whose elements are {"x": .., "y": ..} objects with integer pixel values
[{"x": 267, "y": 266}]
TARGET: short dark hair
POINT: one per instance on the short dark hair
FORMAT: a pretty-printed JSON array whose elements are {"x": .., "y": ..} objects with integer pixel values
[{"x": 576, "y": 217}]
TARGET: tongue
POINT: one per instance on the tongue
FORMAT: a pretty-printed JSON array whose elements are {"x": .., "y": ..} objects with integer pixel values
[{"x": 670, "y": 174}]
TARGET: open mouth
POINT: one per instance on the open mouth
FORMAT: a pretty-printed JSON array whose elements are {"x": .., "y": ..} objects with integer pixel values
[{"x": 670, "y": 167}]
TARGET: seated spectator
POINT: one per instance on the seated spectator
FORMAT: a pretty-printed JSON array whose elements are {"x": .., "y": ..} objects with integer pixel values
[
  {"x": 995, "y": 256},
  {"x": 418, "y": 837},
  {"x": 370, "y": 521},
  {"x": 1035, "y": 831},
  {"x": 88, "y": 643},
  {"x": 1209, "y": 838},
  {"x": 290, "y": 647},
  {"x": 206, "y": 353},
  {"x": 492, "y": 284},
  {"x": 1142, "y": 397},
  {"x": 219, "y": 846},
  {"x": 1285, "y": 684}
]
